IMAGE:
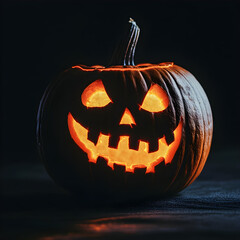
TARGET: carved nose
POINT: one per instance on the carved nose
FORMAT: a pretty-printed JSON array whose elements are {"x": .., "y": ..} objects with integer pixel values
[{"x": 127, "y": 118}]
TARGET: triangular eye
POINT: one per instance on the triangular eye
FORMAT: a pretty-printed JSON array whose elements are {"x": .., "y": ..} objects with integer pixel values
[
  {"x": 95, "y": 95},
  {"x": 156, "y": 99}
]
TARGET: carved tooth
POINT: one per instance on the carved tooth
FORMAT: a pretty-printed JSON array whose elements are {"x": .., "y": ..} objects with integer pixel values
[
  {"x": 140, "y": 171},
  {"x": 113, "y": 141},
  {"x": 169, "y": 137},
  {"x": 120, "y": 169},
  {"x": 93, "y": 136},
  {"x": 160, "y": 166},
  {"x": 153, "y": 145},
  {"x": 143, "y": 146},
  {"x": 102, "y": 162},
  {"x": 133, "y": 143}
]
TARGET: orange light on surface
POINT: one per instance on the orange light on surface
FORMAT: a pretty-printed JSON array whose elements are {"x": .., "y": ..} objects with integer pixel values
[
  {"x": 127, "y": 118},
  {"x": 95, "y": 95},
  {"x": 156, "y": 99},
  {"x": 122, "y": 155}
]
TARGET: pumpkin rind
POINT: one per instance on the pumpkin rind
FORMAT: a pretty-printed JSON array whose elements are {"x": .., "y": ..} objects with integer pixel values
[
  {"x": 126, "y": 87},
  {"x": 187, "y": 101}
]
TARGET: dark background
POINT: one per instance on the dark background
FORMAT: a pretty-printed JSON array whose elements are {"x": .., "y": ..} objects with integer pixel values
[{"x": 42, "y": 38}]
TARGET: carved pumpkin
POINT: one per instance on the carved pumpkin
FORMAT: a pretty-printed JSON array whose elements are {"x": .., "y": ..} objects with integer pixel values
[{"x": 125, "y": 130}]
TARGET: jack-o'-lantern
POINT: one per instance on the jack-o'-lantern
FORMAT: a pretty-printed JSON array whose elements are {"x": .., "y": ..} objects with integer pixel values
[{"x": 125, "y": 131}]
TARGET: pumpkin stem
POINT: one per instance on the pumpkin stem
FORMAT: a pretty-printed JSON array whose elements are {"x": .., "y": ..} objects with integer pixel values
[{"x": 124, "y": 54}]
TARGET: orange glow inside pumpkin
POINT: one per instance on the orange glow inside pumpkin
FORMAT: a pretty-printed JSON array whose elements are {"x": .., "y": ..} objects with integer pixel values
[
  {"x": 95, "y": 95},
  {"x": 122, "y": 155},
  {"x": 127, "y": 118},
  {"x": 156, "y": 99}
]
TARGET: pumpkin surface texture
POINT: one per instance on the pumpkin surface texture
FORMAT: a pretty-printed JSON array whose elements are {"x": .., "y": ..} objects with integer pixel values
[{"x": 125, "y": 131}]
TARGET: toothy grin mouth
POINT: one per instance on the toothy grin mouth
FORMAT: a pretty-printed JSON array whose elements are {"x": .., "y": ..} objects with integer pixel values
[{"x": 123, "y": 155}]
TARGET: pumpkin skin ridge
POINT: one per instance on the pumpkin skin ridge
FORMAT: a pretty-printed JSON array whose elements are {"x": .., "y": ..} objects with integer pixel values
[
  {"x": 173, "y": 88},
  {"x": 147, "y": 75},
  {"x": 189, "y": 156},
  {"x": 140, "y": 86},
  {"x": 207, "y": 136},
  {"x": 196, "y": 160},
  {"x": 207, "y": 118},
  {"x": 146, "y": 78},
  {"x": 160, "y": 74},
  {"x": 192, "y": 125},
  {"x": 203, "y": 113},
  {"x": 147, "y": 82},
  {"x": 209, "y": 125},
  {"x": 137, "y": 90},
  {"x": 153, "y": 76},
  {"x": 40, "y": 115},
  {"x": 40, "y": 122}
]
